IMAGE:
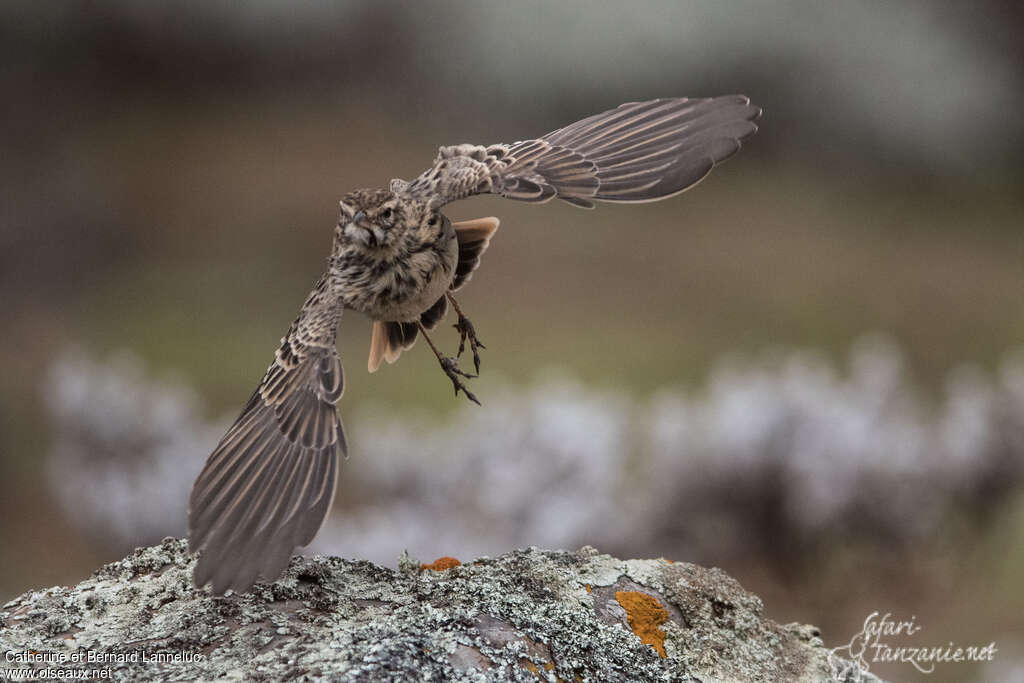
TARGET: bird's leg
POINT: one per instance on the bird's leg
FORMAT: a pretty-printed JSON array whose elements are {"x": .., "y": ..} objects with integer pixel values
[
  {"x": 466, "y": 333},
  {"x": 451, "y": 368}
]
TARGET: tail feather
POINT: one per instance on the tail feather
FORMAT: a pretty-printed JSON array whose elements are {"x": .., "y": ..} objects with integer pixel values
[{"x": 388, "y": 340}]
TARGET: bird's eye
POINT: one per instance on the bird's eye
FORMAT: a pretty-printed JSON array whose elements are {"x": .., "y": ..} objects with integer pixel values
[
  {"x": 386, "y": 214},
  {"x": 433, "y": 221}
]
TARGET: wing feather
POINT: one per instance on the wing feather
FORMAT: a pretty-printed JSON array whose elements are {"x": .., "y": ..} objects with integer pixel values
[
  {"x": 637, "y": 152},
  {"x": 269, "y": 484},
  {"x": 474, "y": 237}
]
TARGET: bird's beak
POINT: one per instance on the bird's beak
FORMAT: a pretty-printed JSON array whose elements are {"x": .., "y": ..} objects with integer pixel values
[{"x": 362, "y": 230}]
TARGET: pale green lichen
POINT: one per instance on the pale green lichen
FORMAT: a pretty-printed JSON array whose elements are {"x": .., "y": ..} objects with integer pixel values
[{"x": 524, "y": 616}]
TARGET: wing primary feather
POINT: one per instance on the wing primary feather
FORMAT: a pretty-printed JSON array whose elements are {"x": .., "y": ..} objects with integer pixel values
[
  {"x": 266, "y": 484},
  {"x": 637, "y": 152},
  {"x": 310, "y": 523}
]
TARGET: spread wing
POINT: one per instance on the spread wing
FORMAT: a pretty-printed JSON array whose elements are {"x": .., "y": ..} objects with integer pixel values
[
  {"x": 270, "y": 482},
  {"x": 637, "y": 152}
]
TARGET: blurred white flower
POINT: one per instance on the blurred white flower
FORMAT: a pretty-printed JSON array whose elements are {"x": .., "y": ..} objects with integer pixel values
[
  {"x": 778, "y": 448},
  {"x": 126, "y": 448}
]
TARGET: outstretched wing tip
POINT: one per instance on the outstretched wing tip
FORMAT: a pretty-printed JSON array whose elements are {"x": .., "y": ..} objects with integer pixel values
[
  {"x": 272, "y": 477},
  {"x": 636, "y": 152}
]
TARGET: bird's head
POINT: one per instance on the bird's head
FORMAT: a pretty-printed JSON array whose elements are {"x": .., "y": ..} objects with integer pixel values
[
  {"x": 383, "y": 219},
  {"x": 371, "y": 218}
]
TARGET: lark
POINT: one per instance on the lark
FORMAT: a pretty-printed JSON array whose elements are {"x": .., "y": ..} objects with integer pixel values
[{"x": 269, "y": 484}]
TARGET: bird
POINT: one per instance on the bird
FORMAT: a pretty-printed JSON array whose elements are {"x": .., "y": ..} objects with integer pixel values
[{"x": 268, "y": 486}]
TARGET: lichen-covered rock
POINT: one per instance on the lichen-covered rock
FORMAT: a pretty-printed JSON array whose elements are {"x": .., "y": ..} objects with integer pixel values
[{"x": 525, "y": 616}]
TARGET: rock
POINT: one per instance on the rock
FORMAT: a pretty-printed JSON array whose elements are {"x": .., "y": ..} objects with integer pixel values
[{"x": 527, "y": 615}]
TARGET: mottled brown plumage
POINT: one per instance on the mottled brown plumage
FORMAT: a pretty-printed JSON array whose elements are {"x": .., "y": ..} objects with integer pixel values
[{"x": 268, "y": 485}]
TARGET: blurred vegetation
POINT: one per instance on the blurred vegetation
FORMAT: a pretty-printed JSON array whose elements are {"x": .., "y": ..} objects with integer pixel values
[{"x": 170, "y": 174}]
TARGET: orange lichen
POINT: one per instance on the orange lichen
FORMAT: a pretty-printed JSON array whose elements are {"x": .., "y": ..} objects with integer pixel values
[
  {"x": 645, "y": 615},
  {"x": 441, "y": 564},
  {"x": 535, "y": 670},
  {"x": 588, "y": 587}
]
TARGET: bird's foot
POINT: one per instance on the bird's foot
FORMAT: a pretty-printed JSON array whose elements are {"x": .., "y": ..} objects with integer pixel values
[
  {"x": 468, "y": 334},
  {"x": 455, "y": 373}
]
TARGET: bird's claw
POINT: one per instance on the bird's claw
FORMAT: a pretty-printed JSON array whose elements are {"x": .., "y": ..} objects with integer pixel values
[
  {"x": 467, "y": 333},
  {"x": 454, "y": 372}
]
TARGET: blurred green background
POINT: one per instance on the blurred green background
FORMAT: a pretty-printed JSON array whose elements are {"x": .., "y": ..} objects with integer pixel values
[{"x": 171, "y": 172}]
